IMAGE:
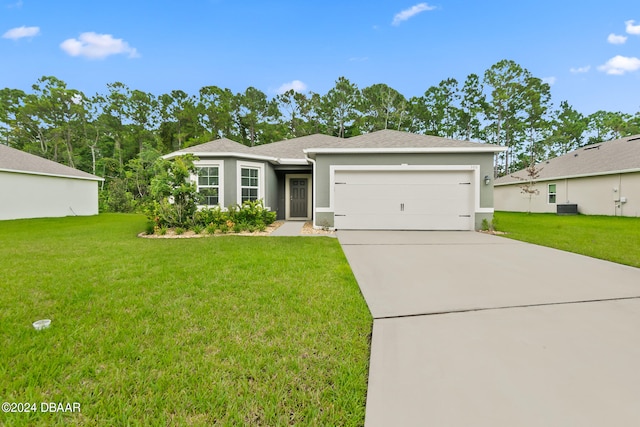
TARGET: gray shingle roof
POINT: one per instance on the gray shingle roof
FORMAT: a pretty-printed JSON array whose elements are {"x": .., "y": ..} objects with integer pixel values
[
  {"x": 605, "y": 157},
  {"x": 15, "y": 160},
  {"x": 293, "y": 148},
  {"x": 222, "y": 145},
  {"x": 397, "y": 139}
]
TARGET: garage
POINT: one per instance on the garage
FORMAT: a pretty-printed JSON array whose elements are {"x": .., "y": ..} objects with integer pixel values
[{"x": 404, "y": 199}]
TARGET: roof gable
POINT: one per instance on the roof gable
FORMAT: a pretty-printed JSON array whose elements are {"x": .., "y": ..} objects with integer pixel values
[
  {"x": 614, "y": 156},
  {"x": 13, "y": 160}
]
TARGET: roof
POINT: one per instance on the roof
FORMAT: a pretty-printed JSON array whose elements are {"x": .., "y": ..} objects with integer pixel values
[
  {"x": 617, "y": 156},
  {"x": 296, "y": 150},
  {"x": 16, "y": 161}
]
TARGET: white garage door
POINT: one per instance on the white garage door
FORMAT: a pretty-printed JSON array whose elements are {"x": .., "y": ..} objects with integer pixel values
[{"x": 404, "y": 200}]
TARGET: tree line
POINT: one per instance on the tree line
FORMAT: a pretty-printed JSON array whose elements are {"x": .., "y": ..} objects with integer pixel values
[{"x": 120, "y": 133}]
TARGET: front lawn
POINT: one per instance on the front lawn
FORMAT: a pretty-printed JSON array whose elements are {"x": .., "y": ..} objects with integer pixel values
[
  {"x": 614, "y": 239},
  {"x": 222, "y": 330}
]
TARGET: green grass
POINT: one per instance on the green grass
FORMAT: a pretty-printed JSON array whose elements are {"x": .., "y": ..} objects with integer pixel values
[
  {"x": 215, "y": 331},
  {"x": 614, "y": 239}
]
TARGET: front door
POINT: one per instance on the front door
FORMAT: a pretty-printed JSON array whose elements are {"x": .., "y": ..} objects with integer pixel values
[{"x": 298, "y": 191}]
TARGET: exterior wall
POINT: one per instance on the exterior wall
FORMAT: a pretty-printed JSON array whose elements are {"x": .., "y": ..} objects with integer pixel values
[
  {"x": 39, "y": 196},
  {"x": 593, "y": 195},
  {"x": 230, "y": 180},
  {"x": 324, "y": 212}
]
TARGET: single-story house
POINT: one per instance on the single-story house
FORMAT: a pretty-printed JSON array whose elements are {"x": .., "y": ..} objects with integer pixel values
[
  {"x": 382, "y": 180},
  {"x": 34, "y": 187},
  {"x": 601, "y": 179}
]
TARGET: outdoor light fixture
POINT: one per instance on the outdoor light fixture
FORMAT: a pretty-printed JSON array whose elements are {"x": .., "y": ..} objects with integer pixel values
[{"x": 487, "y": 180}]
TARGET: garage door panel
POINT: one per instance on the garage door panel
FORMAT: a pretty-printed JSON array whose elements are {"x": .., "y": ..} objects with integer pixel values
[{"x": 407, "y": 200}]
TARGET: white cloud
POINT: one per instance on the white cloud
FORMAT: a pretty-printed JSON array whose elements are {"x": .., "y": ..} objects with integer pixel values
[
  {"x": 550, "y": 80},
  {"x": 616, "y": 39},
  {"x": 97, "y": 46},
  {"x": 296, "y": 85},
  {"x": 411, "y": 12},
  {"x": 632, "y": 29},
  {"x": 21, "y": 32},
  {"x": 579, "y": 70},
  {"x": 618, "y": 65}
]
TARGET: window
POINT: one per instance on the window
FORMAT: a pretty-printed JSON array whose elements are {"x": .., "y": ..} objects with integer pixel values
[
  {"x": 250, "y": 184},
  {"x": 552, "y": 193},
  {"x": 209, "y": 184}
]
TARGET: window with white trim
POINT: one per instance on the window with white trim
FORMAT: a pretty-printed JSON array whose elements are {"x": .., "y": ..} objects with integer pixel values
[
  {"x": 552, "y": 194},
  {"x": 209, "y": 184},
  {"x": 250, "y": 184}
]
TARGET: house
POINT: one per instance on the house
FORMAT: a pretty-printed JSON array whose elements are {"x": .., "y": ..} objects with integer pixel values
[
  {"x": 382, "y": 180},
  {"x": 601, "y": 179},
  {"x": 33, "y": 187}
]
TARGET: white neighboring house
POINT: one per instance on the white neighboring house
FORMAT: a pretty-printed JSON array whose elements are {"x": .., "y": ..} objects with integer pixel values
[
  {"x": 601, "y": 179},
  {"x": 34, "y": 187}
]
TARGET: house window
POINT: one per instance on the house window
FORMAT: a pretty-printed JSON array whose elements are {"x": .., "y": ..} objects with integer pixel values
[
  {"x": 209, "y": 184},
  {"x": 552, "y": 193},
  {"x": 250, "y": 184}
]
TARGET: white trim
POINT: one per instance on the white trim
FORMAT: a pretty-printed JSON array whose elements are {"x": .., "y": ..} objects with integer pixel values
[
  {"x": 474, "y": 168},
  {"x": 287, "y": 195},
  {"x": 324, "y": 210},
  {"x": 583, "y": 175},
  {"x": 55, "y": 175},
  {"x": 296, "y": 162},
  {"x": 220, "y": 165},
  {"x": 482, "y": 149},
  {"x": 206, "y": 154},
  {"x": 261, "y": 179}
]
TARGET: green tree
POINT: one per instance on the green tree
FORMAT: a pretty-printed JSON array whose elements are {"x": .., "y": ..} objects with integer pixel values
[{"x": 339, "y": 108}]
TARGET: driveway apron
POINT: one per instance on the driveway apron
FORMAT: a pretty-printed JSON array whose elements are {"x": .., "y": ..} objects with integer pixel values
[{"x": 477, "y": 330}]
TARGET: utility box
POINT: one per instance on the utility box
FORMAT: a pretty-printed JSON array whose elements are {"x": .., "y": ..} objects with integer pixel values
[{"x": 567, "y": 209}]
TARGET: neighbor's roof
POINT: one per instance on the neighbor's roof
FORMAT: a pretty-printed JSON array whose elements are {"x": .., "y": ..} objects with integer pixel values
[
  {"x": 617, "y": 156},
  {"x": 297, "y": 149},
  {"x": 16, "y": 161}
]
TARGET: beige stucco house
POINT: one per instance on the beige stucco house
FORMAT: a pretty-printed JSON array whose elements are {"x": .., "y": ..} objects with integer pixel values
[
  {"x": 601, "y": 179},
  {"x": 34, "y": 187}
]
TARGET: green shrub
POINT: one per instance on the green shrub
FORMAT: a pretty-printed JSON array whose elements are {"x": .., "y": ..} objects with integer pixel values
[
  {"x": 179, "y": 230},
  {"x": 150, "y": 227},
  {"x": 197, "y": 228},
  {"x": 211, "y": 228}
]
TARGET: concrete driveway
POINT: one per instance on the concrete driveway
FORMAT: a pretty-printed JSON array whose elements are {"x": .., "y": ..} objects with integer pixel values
[{"x": 478, "y": 330}]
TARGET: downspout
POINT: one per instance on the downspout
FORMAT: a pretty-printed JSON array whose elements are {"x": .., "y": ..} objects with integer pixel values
[{"x": 313, "y": 196}]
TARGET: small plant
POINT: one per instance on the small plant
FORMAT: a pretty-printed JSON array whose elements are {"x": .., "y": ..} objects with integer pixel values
[
  {"x": 485, "y": 225},
  {"x": 150, "y": 227},
  {"x": 197, "y": 228},
  {"x": 211, "y": 228},
  {"x": 162, "y": 231},
  {"x": 179, "y": 230}
]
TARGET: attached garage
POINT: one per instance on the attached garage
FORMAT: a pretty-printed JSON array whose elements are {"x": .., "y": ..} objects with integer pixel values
[
  {"x": 397, "y": 199},
  {"x": 390, "y": 180}
]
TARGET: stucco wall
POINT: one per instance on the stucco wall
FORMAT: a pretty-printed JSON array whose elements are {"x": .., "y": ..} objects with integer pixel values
[
  {"x": 325, "y": 161},
  {"x": 37, "y": 196},
  {"x": 593, "y": 195}
]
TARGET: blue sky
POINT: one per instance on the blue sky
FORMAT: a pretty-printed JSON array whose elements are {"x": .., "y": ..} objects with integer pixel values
[{"x": 587, "y": 50}]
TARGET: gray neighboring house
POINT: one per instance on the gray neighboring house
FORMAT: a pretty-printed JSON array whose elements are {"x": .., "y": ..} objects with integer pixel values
[
  {"x": 387, "y": 180},
  {"x": 601, "y": 179},
  {"x": 34, "y": 187}
]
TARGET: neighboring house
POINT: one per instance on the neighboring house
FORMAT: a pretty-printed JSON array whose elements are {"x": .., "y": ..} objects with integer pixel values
[
  {"x": 601, "y": 179},
  {"x": 33, "y": 187},
  {"x": 382, "y": 180}
]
